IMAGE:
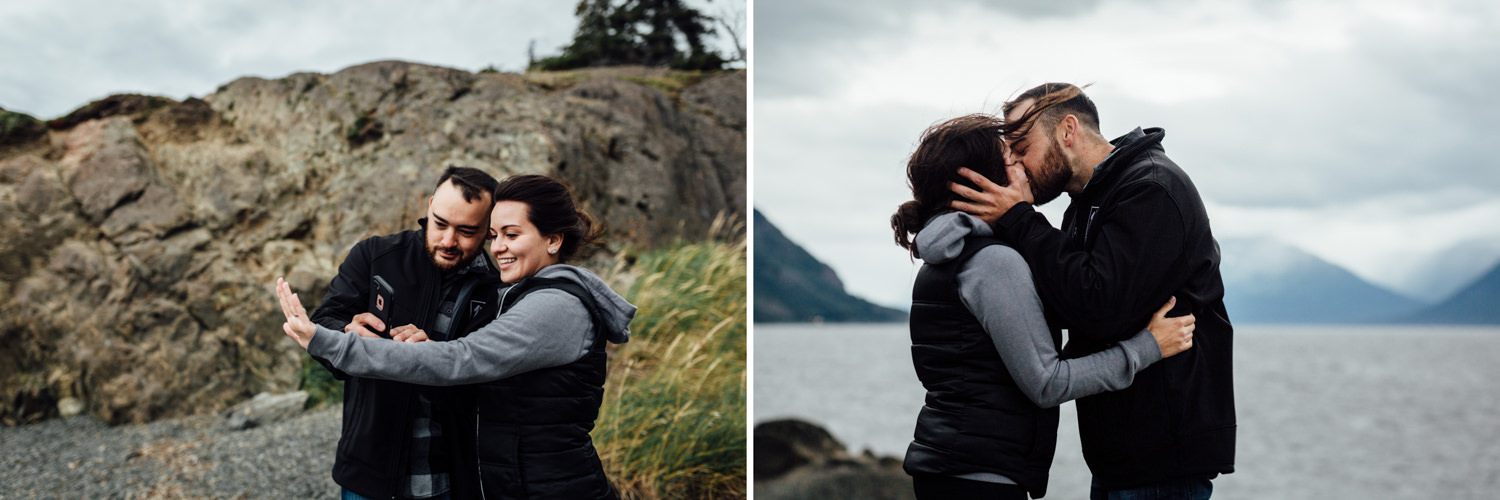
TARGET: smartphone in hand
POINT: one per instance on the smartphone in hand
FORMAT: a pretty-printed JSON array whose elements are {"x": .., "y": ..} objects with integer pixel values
[{"x": 382, "y": 301}]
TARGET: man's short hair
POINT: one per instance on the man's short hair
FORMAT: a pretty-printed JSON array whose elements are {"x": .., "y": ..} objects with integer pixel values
[
  {"x": 472, "y": 182},
  {"x": 1052, "y": 101}
]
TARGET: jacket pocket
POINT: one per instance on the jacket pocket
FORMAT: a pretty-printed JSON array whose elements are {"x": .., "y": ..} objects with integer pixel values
[
  {"x": 354, "y": 426},
  {"x": 1006, "y": 432},
  {"x": 1120, "y": 425},
  {"x": 499, "y": 472}
]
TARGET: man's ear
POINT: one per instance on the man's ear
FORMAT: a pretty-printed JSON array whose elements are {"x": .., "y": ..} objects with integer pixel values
[{"x": 1067, "y": 131}]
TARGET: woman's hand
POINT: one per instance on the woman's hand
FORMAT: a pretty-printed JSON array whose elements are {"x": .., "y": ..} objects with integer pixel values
[
  {"x": 1173, "y": 335},
  {"x": 297, "y": 325},
  {"x": 409, "y": 333}
]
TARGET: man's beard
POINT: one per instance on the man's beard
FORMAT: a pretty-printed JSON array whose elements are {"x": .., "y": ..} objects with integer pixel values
[
  {"x": 446, "y": 267},
  {"x": 1051, "y": 177}
]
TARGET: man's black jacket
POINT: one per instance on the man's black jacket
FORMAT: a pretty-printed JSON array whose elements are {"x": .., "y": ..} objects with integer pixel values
[
  {"x": 377, "y": 427},
  {"x": 1137, "y": 235}
]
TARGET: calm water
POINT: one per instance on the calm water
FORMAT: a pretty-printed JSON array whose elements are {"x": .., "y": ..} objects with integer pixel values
[{"x": 1324, "y": 412}]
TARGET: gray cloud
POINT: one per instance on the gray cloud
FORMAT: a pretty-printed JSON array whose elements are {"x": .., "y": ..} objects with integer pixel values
[
  {"x": 803, "y": 45},
  {"x": 62, "y": 54},
  {"x": 1374, "y": 119},
  {"x": 1398, "y": 113}
]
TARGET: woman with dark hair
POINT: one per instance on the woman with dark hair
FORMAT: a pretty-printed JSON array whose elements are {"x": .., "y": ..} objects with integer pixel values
[
  {"x": 539, "y": 367},
  {"x": 981, "y": 343}
]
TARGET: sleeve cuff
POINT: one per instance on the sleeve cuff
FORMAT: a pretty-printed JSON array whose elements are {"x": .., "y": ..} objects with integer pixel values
[
  {"x": 1143, "y": 346},
  {"x": 1012, "y": 217},
  {"x": 324, "y": 342}
]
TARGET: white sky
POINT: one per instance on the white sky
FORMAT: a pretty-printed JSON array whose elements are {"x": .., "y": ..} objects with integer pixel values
[
  {"x": 61, "y": 54},
  {"x": 1357, "y": 131}
]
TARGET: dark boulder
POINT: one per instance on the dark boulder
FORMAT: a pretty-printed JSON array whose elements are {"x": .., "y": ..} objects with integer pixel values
[{"x": 796, "y": 460}]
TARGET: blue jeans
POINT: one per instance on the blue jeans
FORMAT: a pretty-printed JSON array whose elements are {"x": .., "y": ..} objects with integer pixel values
[
  {"x": 1187, "y": 488},
  {"x": 349, "y": 495}
]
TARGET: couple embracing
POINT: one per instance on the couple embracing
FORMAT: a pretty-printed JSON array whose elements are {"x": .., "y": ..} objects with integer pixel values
[
  {"x": 466, "y": 378},
  {"x": 1133, "y": 276}
]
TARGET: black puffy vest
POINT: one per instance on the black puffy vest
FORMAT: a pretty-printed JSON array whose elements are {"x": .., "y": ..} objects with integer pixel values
[
  {"x": 975, "y": 418},
  {"x": 533, "y": 429}
]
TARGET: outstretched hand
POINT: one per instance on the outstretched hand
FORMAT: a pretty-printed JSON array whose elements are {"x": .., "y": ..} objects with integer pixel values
[
  {"x": 991, "y": 200},
  {"x": 297, "y": 326},
  {"x": 1175, "y": 334}
]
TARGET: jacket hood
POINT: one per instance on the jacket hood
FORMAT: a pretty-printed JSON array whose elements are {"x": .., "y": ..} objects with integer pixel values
[
  {"x": 942, "y": 239},
  {"x": 616, "y": 311},
  {"x": 1127, "y": 147}
]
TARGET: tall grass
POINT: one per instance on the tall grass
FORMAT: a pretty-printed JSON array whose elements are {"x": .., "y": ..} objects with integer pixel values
[
  {"x": 318, "y": 382},
  {"x": 673, "y": 421}
]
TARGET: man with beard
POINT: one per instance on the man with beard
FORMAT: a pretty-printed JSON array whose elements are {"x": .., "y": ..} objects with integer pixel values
[
  {"x": 401, "y": 440},
  {"x": 1135, "y": 234}
]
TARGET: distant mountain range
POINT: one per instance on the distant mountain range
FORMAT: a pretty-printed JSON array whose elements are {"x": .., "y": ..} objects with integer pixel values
[
  {"x": 1269, "y": 282},
  {"x": 793, "y": 286},
  {"x": 1479, "y": 303},
  {"x": 1265, "y": 282},
  {"x": 1443, "y": 274}
]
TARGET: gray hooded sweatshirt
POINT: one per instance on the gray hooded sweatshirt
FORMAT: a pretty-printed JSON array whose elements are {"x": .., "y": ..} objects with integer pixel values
[
  {"x": 995, "y": 285},
  {"x": 547, "y": 328}
]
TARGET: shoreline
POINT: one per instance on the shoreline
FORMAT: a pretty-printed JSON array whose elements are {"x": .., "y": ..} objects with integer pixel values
[{"x": 189, "y": 457}]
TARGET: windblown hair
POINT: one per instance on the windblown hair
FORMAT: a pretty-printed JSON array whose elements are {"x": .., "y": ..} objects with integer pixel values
[
  {"x": 972, "y": 141},
  {"x": 1053, "y": 102},
  {"x": 550, "y": 207},
  {"x": 471, "y": 182}
]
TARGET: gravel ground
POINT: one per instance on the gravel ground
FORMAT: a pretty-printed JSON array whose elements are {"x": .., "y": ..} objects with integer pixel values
[{"x": 194, "y": 457}]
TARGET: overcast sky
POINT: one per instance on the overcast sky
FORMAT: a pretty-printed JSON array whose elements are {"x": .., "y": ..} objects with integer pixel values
[
  {"x": 1358, "y": 131},
  {"x": 60, "y": 55}
]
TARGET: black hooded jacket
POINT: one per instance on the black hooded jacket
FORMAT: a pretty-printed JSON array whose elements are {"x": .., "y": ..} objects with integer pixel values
[
  {"x": 373, "y": 448},
  {"x": 1137, "y": 235}
]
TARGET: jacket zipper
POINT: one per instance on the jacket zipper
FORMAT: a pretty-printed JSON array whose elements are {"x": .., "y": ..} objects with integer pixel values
[
  {"x": 479, "y": 469},
  {"x": 405, "y": 474}
]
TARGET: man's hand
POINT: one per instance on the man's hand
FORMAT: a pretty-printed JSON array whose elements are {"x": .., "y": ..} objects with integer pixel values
[
  {"x": 297, "y": 325},
  {"x": 992, "y": 200},
  {"x": 408, "y": 333},
  {"x": 365, "y": 325}
]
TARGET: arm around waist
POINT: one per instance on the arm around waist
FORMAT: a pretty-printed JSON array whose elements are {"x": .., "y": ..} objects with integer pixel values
[{"x": 996, "y": 286}]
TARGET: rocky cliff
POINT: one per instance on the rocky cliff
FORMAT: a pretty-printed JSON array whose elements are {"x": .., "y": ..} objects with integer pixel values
[
  {"x": 141, "y": 234},
  {"x": 793, "y": 286}
]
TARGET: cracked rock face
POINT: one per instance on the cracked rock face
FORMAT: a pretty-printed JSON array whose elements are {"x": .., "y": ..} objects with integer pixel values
[{"x": 141, "y": 235}]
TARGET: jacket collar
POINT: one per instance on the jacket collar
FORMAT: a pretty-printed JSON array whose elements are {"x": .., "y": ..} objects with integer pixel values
[{"x": 1127, "y": 148}]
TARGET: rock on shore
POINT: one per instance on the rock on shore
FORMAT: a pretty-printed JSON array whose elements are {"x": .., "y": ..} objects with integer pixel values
[
  {"x": 141, "y": 235},
  {"x": 797, "y": 460}
]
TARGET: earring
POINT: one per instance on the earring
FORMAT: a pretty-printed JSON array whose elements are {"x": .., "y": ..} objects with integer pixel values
[{"x": 552, "y": 251}]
